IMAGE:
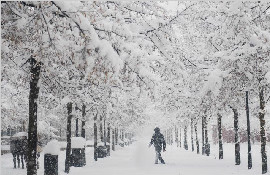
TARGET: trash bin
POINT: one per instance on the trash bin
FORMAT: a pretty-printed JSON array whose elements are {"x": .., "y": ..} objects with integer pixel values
[
  {"x": 51, "y": 152},
  {"x": 101, "y": 151},
  {"x": 77, "y": 146},
  {"x": 77, "y": 158},
  {"x": 50, "y": 164}
]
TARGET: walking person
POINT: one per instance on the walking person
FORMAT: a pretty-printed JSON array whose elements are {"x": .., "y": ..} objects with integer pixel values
[{"x": 159, "y": 142}]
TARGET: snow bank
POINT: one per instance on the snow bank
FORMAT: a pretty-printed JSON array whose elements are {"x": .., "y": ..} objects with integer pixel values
[
  {"x": 90, "y": 142},
  {"x": 63, "y": 144},
  {"x": 77, "y": 142},
  {"x": 53, "y": 148},
  {"x": 100, "y": 144}
]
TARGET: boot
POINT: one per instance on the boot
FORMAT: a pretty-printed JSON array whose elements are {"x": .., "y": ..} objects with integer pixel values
[
  {"x": 22, "y": 162},
  {"x": 14, "y": 161},
  {"x": 18, "y": 159}
]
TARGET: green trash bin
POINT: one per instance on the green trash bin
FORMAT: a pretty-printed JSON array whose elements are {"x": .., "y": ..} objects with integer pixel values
[
  {"x": 77, "y": 148},
  {"x": 77, "y": 157},
  {"x": 50, "y": 164},
  {"x": 101, "y": 151}
]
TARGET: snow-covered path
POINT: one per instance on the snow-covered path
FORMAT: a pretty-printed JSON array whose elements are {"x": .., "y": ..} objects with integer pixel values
[{"x": 138, "y": 159}]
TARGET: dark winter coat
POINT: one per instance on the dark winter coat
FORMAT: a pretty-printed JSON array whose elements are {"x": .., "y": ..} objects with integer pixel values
[
  {"x": 18, "y": 146},
  {"x": 158, "y": 141}
]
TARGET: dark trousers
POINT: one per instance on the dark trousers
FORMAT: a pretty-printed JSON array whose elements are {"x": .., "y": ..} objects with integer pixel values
[
  {"x": 18, "y": 155},
  {"x": 158, "y": 157}
]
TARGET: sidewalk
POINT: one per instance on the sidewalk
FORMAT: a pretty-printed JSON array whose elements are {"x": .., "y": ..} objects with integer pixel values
[{"x": 138, "y": 159}]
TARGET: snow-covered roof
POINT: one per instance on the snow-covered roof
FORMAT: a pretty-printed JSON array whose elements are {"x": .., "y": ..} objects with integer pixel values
[
  {"x": 53, "y": 148},
  {"x": 78, "y": 142}
]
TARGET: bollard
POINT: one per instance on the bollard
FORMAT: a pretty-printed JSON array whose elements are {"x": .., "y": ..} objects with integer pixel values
[
  {"x": 78, "y": 148},
  {"x": 50, "y": 164},
  {"x": 77, "y": 157},
  {"x": 51, "y": 152},
  {"x": 101, "y": 151}
]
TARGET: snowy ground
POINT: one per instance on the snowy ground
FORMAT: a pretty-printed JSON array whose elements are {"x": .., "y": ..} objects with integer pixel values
[{"x": 138, "y": 159}]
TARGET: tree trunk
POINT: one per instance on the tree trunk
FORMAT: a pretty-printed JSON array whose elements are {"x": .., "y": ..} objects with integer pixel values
[
  {"x": 113, "y": 139},
  {"x": 171, "y": 131},
  {"x": 109, "y": 138},
  {"x": 236, "y": 138},
  {"x": 32, "y": 126},
  {"x": 77, "y": 128},
  {"x": 262, "y": 131},
  {"x": 101, "y": 129},
  {"x": 170, "y": 136},
  {"x": 203, "y": 143},
  {"x": 191, "y": 133},
  {"x": 197, "y": 141},
  {"x": 180, "y": 138},
  {"x": 68, "y": 149},
  {"x": 248, "y": 133},
  {"x": 83, "y": 121},
  {"x": 83, "y": 132},
  {"x": 116, "y": 136},
  {"x": 104, "y": 131},
  {"x": 207, "y": 145},
  {"x": 60, "y": 132},
  {"x": 122, "y": 134},
  {"x": 176, "y": 136},
  {"x": 185, "y": 138},
  {"x": 95, "y": 137},
  {"x": 23, "y": 126},
  {"x": 220, "y": 144}
]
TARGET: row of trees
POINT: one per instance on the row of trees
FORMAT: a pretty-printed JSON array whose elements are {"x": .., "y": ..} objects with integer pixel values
[
  {"x": 226, "y": 55},
  {"x": 115, "y": 60},
  {"x": 78, "y": 53},
  {"x": 106, "y": 134}
]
